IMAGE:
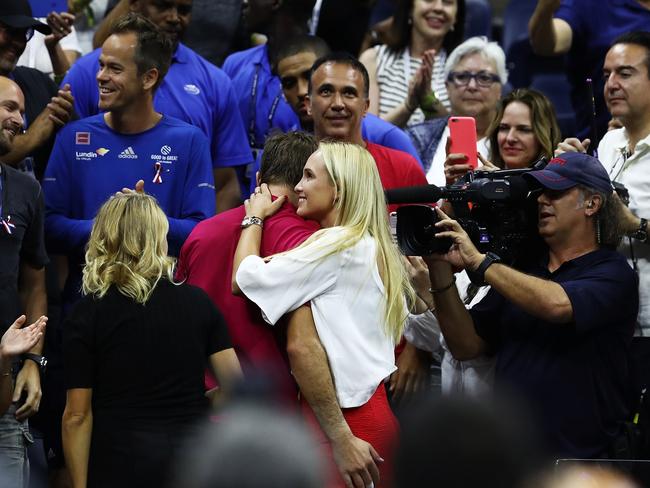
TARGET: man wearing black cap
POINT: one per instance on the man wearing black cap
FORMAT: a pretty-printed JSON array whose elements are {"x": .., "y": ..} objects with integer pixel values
[
  {"x": 560, "y": 327},
  {"x": 46, "y": 109}
]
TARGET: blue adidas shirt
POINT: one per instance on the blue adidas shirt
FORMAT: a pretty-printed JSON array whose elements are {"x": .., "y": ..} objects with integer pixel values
[
  {"x": 90, "y": 162},
  {"x": 253, "y": 80},
  {"x": 193, "y": 90}
]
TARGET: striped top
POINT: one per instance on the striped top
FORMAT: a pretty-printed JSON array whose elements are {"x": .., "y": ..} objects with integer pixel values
[{"x": 393, "y": 86}]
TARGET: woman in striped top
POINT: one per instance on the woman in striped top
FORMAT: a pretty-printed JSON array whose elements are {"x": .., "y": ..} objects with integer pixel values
[{"x": 411, "y": 65}]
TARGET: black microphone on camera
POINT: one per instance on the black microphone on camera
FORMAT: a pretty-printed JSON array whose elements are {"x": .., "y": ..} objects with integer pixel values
[{"x": 414, "y": 194}]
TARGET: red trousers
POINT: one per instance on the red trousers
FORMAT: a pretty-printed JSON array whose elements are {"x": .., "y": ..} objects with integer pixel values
[{"x": 373, "y": 422}]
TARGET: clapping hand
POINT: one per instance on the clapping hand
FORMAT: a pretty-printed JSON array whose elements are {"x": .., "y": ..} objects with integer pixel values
[
  {"x": 61, "y": 25},
  {"x": 60, "y": 107},
  {"x": 572, "y": 144},
  {"x": 18, "y": 339},
  {"x": 420, "y": 84}
]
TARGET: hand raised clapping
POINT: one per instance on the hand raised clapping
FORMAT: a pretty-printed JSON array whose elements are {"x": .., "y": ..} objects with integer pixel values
[{"x": 18, "y": 339}]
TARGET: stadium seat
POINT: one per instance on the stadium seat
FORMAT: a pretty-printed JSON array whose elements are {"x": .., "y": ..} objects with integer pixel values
[
  {"x": 556, "y": 87},
  {"x": 478, "y": 18},
  {"x": 515, "y": 21}
]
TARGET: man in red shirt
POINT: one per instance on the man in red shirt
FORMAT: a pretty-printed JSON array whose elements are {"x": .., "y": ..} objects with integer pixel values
[
  {"x": 206, "y": 261},
  {"x": 207, "y": 255},
  {"x": 338, "y": 101}
]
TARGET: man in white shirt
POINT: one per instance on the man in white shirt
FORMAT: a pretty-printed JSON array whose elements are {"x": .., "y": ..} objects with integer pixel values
[{"x": 625, "y": 152}]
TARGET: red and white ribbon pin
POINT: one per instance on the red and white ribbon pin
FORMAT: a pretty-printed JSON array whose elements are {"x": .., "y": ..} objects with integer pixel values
[
  {"x": 158, "y": 176},
  {"x": 7, "y": 224}
]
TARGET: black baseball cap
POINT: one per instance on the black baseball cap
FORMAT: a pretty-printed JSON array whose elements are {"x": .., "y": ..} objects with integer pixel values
[
  {"x": 18, "y": 14},
  {"x": 571, "y": 169}
]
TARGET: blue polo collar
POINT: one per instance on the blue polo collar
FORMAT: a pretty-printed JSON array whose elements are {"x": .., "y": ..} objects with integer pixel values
[{"x": 181, "y": 55}]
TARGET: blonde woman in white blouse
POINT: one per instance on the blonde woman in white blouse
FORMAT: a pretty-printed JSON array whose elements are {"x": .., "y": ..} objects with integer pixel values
[{"x": 349, "y": 271}]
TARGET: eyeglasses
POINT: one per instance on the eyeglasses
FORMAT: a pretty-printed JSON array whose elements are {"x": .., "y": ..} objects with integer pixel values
[
  {"x": 482, "y": 78},
  {"x": 27, "y": 33}
]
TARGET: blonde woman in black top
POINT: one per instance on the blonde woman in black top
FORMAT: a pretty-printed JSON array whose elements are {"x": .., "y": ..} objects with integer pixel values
[{"x": 135, "y": 350}]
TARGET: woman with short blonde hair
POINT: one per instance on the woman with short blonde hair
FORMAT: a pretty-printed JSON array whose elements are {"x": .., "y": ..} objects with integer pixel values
[
  {"x": 135, "y": 350},
  {"x": 128, "y": 248}
]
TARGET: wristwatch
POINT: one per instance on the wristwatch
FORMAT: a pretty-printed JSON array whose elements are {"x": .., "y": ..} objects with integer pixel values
[
  {"x": 478, "y": 277},
  {"x": 41, "y": 361},
  {"x": 641, "y": 233},
  {"x": 252, "y": 220}
]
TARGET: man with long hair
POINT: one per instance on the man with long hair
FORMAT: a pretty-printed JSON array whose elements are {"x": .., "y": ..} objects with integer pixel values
[{"x": 561, "y": 325}]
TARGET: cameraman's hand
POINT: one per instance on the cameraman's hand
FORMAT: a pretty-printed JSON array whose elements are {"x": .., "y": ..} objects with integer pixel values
[{"x": 463, "y": 253}]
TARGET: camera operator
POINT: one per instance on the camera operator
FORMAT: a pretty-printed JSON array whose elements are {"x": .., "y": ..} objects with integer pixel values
[
  {"x": 524, "y": 129},
  {"x": 561, "y": 326}
]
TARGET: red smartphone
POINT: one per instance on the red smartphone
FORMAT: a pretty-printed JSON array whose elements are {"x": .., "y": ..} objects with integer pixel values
[{"x": 462, "y": 135}]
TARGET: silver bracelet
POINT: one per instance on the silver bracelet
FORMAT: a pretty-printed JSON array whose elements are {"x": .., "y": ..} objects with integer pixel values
[{"x": 252, "y": 220}]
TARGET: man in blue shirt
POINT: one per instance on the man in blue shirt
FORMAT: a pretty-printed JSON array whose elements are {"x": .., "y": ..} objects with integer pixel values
[
  {"x": 194, "y": 91},
  {"x": 562, "y": 326},
  {"x": 258, "y": 90},
  {"x": 98, "y": 156}
]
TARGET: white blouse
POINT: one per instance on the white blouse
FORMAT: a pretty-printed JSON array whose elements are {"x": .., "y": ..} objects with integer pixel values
[{"x": 347, "y": 302}]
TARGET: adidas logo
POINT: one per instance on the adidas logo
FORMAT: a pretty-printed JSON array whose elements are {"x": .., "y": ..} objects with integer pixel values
[{"x": 128, "y": 153}]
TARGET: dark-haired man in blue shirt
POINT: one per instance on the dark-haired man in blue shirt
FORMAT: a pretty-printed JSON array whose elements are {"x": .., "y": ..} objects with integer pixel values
[
  {"x": 193, "y": 90},
  {"x": 99, "y": 155}
]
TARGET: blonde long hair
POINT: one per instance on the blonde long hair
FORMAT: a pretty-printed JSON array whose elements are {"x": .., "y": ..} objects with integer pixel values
[
  {"x": 362, "y": 210},
  {"x": 127, "y": 248}
]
